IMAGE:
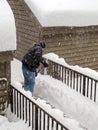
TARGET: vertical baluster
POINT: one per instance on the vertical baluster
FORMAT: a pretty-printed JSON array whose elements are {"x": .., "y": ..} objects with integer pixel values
[
  {"x": 53, "y": 69},
  {"x": 91, "y": 89},
  {"x": 29, "y": 113},
  {"x": 32, "y": 116},
  {"x": 17, "y": 106},
  {"x": 61, "y": 127},
  {"x": 23, "y": 105},
  {"x": 43, "y": 120},
  {"x": 84, "y": 84},
  {"x": 36, "y": 117},
  {"x": 87, "y": 87},
  {"x": 15, "y": 101},
  {"x": 11, "y": 99},
  {"x": 48, "y": 67},
  {"x": 77, "y": 82},
  {"x": 62, "y": 74},
  {"x": 57, "y": 71},
  {"x": 56, "y": 125},
  {"x": 80, "y": 90},
  {"x": 70, "y": 79},
  {"x": 67, "y": 77},
  {"x": 73, "y": 80},
  {"x": 26, "y": 110},
  {"x": 52, "y": 124},
  {"x": 50, "y": 70},
  {"x": 20, "y": 105},
  {"x": 40, "y": 119},
  {"x": 48, "y": 122},
  {"x": 95, "y": 91}
]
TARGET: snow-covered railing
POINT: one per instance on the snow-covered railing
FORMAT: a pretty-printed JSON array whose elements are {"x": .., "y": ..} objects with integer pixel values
[
  {"x": 27, "y": 109},
  {"x": 74, "y": 79}
]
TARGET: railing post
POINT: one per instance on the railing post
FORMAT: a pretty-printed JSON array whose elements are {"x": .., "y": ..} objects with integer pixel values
[
  {"x": 84, "y": 84},
  {"x": 36, "y": 117},
  {"x": 10, "y": 97},
  {"x": 95, "y": 91}
]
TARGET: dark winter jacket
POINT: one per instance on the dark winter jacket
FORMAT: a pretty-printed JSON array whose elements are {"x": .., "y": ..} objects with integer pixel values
[{"x": 33, "y": 57}]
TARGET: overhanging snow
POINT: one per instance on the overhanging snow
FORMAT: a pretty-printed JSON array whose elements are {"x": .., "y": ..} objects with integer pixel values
[
  {"x": 65, "y": 12},
  {"x": 7, "y": 27}
]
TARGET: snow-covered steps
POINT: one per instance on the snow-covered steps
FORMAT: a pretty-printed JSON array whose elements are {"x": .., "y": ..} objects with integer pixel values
[{"x": 43, "y": 113}]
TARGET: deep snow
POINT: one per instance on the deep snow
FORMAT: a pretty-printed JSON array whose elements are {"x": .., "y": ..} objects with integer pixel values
[
  {"x": 79, "y": 111},
  {"x": 71, "y": 103}
]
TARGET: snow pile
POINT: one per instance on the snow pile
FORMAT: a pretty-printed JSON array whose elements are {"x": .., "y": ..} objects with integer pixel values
[
  {"x": 65, "y": 12},
  {"x": 17, "y": 125},
  {"x": 61, "y": 61},
  {"x": 72, "y": 104},
  {"x": 7, "y": 27},
  {"x": 46, "y": 106}
]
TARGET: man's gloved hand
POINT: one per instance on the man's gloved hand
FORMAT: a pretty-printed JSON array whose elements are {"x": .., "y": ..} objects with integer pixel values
[{"x": 45, "y": 64}]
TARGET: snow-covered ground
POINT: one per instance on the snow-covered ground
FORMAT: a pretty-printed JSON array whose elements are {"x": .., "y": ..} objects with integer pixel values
[
  {"x": 74, "y": 110},
  {"x": 13, "y": 124},
  {"x": 80, "y": 110}
]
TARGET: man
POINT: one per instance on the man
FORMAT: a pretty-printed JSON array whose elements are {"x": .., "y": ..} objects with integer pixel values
[{"x": 30, "y": 63}]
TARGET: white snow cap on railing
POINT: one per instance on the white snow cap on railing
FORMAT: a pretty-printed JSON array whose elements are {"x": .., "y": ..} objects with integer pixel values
[
  {"x": 7, "y": 27},
  {"x": 65, "y": 12}
]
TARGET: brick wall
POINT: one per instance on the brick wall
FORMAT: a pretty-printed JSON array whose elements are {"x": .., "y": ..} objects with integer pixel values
[
  {"x": 78, "y": 45},
  {"x": 5, "y": 77},
  {"x": 27, "y": 26},
  {"x": 5, "y": 68}
]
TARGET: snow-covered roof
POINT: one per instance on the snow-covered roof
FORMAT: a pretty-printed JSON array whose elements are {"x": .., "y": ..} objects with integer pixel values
[
  {"x": 65, "y": 12},
  {"x": 7, "y": 27}
]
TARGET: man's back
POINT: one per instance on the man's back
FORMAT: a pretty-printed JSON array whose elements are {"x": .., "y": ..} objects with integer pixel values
[{"x": 33, "y": 57}]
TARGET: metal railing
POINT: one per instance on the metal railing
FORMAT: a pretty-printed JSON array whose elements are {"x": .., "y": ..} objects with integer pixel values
[
  {"x": 78, "y": 81},
  {"x": 36, "y": 117}
]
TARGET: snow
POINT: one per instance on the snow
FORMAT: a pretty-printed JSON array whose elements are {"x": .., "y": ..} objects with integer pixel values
[
  {"x": 5, "y": 124},
  {"x": 79, "y": 111},
  {"x": 74, "y": 110},
  {"x": 7, "y": 27},
  {"x": 65, "y": 12}
]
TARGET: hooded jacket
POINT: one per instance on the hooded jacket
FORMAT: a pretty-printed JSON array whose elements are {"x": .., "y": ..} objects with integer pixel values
[{"x": 33, "y": 57}]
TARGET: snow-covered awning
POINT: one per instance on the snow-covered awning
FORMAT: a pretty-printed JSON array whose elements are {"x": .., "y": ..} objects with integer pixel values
[
  {"x": 65, "y": 12},
  {"x": 7, "y": 27}
]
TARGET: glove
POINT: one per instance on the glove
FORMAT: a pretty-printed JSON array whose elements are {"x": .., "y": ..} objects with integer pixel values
[{"x": 45, "y": 64}]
